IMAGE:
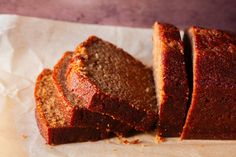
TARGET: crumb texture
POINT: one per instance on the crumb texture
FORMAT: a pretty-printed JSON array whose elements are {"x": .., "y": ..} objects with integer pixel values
[
  {"x": 116, "y": 73},
  {"x": 46, "y": 94}
]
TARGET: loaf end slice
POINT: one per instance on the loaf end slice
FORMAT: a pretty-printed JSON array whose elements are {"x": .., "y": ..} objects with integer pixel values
[
  {"x": 51, "y": 122},
  {"x": 212, "y": 114}
]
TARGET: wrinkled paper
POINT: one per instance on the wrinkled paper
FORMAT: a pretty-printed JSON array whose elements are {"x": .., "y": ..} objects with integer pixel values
[{"x": 27, "y": 45}]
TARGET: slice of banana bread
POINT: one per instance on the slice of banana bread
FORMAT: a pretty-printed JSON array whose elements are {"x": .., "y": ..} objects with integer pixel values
[
  {"x": 170, "y": 79},
  {"x": 76, "y": 114},
  {"x": 212, "y": 114},
  {"x": 112, "y": 82},
  {"x": 51, "y": 122}
]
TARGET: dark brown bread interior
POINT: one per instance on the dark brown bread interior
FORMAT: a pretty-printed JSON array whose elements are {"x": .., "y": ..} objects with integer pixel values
[
  {"x": 113, "y": 83},
  {"x": 212, "y": 114},
  {"x": 51, "y": 122},
  {"x": 73, "y": 108},
  {"x": 170, "y": 79}
]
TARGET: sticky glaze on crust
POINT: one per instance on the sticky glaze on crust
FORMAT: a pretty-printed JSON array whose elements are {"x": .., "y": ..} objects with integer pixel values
[
  {"x": 170, "y": 79},
  {"x": 113, "y": 83},
  {"x": 51, "y": 122},
  {"x": 73, "y": 107},
  {"x": 212, "y": 114}
]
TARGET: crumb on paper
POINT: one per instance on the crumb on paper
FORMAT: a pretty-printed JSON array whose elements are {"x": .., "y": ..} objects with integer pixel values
[
  {"x": 137, "y": 141},
  {"x": 125, "y": 141},
  {"x": 24, "y": 136},
  {"x": 159, "y": 139},
  {"x": 107, "y": 141}
]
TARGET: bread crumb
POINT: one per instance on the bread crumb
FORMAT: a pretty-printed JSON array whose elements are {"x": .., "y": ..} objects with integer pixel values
[
  {"x": 125, "y": 141},
  {"x": 24, "y": 136},
  {"x": 137, "y": 141},
  {"x": 96, "y": 55},
  {"x": 159, "y": 139}
]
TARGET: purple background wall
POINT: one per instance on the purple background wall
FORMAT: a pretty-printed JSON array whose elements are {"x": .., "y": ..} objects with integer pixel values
[{"x": 136, "y": 13}]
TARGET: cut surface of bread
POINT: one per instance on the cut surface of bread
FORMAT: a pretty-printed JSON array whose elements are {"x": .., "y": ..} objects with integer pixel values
[
  {"x": 212, "y": 114},
  {"x": 75, "y": 112},
  {"x": 51, "y": 122},
  {"x": 112, "y": 82},
  {"x": 170, "y": 79}
]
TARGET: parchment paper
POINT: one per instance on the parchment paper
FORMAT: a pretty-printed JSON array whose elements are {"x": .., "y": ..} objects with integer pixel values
[{"x": 27, "y": 45}]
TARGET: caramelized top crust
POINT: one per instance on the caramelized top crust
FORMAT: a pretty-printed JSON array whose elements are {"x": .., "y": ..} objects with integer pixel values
[
  {"x": 45, "y": 95},
  {"x": 115, "y": 73},
  {"x": 210, "y": 45}
]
